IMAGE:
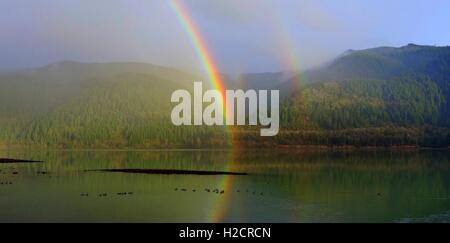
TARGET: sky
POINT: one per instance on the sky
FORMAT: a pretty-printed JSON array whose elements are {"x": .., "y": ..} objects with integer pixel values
[{"x": 242, "y": 36}]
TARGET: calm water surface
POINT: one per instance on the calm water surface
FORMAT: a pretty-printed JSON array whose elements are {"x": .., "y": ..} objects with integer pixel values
[{"x": 281, "y": 187}]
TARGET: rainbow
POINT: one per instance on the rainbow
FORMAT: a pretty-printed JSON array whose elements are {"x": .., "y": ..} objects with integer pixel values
[
  {"x": 205, "y": 56},
  {"x": 199, "y": 44}
]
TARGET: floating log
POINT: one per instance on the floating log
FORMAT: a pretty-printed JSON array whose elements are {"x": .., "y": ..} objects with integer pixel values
[
  {"x": 170, "y": 172},
  {"x": 12, "y": 161}
]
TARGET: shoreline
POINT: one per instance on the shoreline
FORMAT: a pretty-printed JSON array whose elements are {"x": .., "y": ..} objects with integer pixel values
[{"x": 299, "y": 148}]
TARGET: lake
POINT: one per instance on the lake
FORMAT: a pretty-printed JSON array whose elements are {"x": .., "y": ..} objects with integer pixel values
[{"x": 281, "y": 186}]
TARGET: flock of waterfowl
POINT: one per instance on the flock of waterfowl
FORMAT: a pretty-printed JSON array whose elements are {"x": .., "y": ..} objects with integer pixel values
[
  {"x": 7, "y": 182},
  {"x": 6, "y": 172},
  {"x": 14, "y": 172},
  {"x": 218, "y": 191},
  {"x": 104, "y": 194}
]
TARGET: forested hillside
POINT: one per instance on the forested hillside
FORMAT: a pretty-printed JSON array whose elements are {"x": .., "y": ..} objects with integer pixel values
[
  {"x": 377, "y": 97},
  {"x": 389, "y": 89},
  {"x": 412, "y": 62},
  {"x": 128, "y": 106}
]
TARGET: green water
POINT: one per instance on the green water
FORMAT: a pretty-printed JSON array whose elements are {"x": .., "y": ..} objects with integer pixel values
[{"x": 281, "y": 187}]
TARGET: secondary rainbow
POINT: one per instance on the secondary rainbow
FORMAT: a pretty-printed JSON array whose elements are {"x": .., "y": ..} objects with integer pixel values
[{"x": 288, "y": 48}]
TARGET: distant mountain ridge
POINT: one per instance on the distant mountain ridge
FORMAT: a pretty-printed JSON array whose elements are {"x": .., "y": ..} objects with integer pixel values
[
  {"x": 376, "y": 85},
  {"x": 385, "y": 63}
]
